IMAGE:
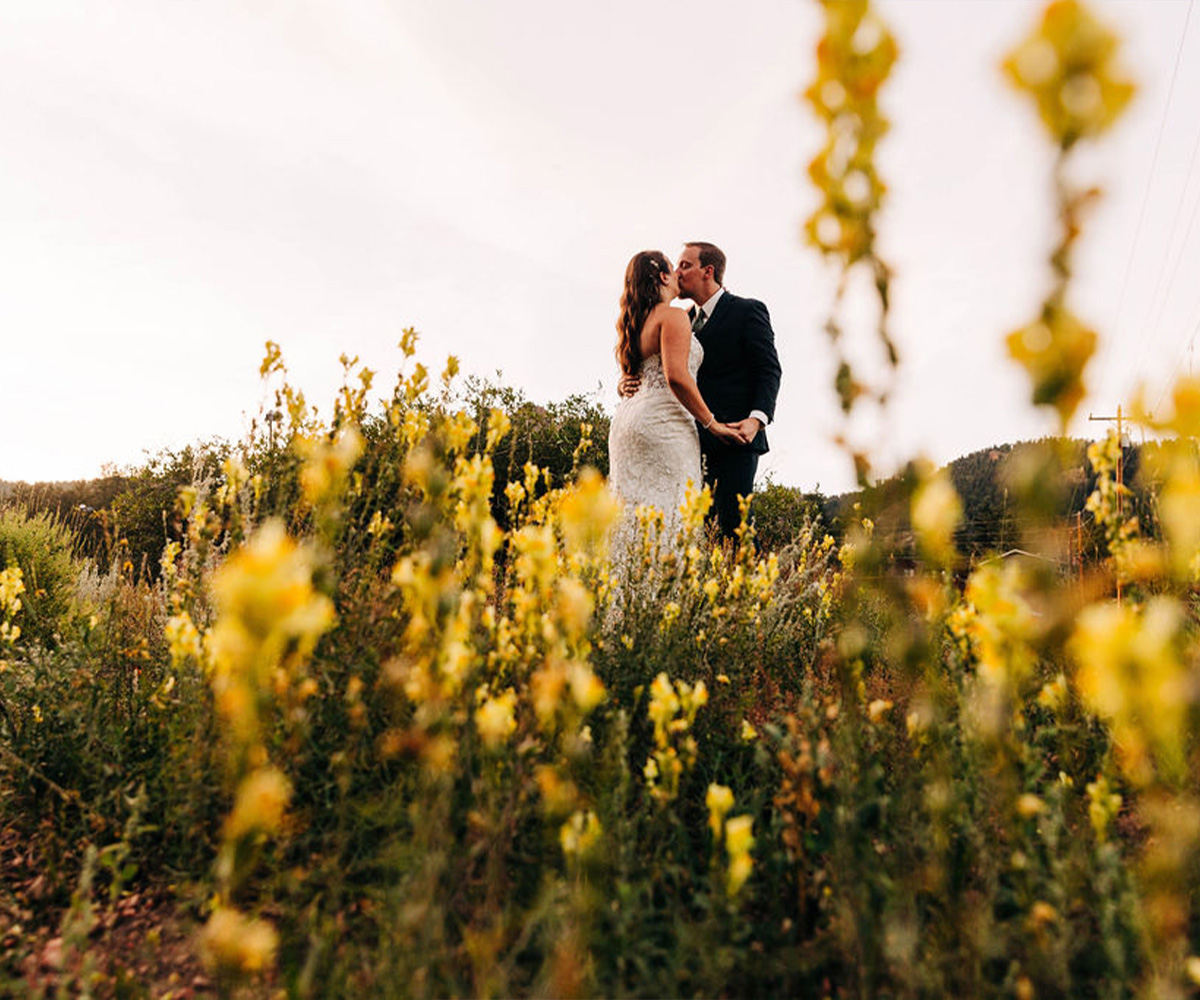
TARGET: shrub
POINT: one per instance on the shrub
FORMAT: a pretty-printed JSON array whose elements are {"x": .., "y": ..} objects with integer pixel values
[
  {"x": 781, "y": 513},
  {"x": 41, "y": 547}
]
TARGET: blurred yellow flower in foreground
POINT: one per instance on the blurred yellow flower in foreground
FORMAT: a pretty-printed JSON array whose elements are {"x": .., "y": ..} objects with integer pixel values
[
  {"x": 999, "y": 623},
  {"x": 1054, "y": 350},
  {"x": 878, "y": 709},
  {"x": 588, "y": 510},
  {"x": 559, "y": 794},
  {"x": 261, "y": 800},
  {"x": 234, "y": 942},
  {"x": 1029, "y": 806},
  {"x": 580, "y": 834},
  {"x": 1192, "y": 967},
  {"x": 575, "y": 604},
  {"x": 183, "y": 638},
  {"x": 495, "y": 719},
  {"x": 549, "y": 685},
  {"x": 1175, "y": 465},
  {"x": 936, "y": 511},
  {"x": 1131, "y": 673},
  {"x": 1103, "y": 806},
  {"x": 267, "y": 602},
  {"x": 328, "y": 463},
  {"x": 1053, "y": 693},
  {"x": 1068, "y": 65}
]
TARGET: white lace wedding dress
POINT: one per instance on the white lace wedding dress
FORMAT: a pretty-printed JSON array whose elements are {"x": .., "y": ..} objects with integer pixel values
[{"x": 653, "y": 447}]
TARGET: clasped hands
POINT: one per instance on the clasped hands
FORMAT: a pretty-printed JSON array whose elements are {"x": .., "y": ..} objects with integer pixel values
[{"x": 737, "y": 432}]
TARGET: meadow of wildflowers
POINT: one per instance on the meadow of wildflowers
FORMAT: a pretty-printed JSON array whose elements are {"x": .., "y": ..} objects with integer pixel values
[{"x": 393, "y": 717}]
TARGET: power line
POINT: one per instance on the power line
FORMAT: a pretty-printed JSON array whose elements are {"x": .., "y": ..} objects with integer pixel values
[
  {"x": 1153, "y": 328},
  {"x": 1184, "y": 351},
  {"x": 1137, "y": 235}
]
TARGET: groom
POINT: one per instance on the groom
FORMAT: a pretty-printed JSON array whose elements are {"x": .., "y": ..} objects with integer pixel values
[{"x": 739, "y": 377}]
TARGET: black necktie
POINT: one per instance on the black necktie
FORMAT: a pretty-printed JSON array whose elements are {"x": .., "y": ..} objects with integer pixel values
[{"x": 699, "y": 320}]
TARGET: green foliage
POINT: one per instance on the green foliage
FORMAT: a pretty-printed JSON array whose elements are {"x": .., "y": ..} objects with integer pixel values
[
  {"x": 41, "y": 546},
  {"x": 142, "y": 513},
  {"x": 556, "y": 436},
  {"x": 780, "y": 513}
]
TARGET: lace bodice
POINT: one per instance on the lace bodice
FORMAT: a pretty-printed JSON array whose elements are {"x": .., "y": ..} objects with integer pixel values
[
  {"x": 653, "y": 446},
  {"x": 652, "y": 374}
]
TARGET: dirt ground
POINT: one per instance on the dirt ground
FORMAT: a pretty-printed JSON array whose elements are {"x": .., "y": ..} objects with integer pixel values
[{"x": 141, "y": 945}]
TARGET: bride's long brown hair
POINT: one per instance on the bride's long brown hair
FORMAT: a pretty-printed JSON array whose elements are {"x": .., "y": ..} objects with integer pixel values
[{"x": 642, "y": 292}]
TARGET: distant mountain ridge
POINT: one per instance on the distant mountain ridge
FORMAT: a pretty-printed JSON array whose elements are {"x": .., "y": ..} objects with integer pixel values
[{"x": 988, "y": 482}]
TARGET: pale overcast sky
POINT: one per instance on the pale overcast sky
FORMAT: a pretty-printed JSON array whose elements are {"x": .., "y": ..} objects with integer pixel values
[{"x": 182, "y": 181}]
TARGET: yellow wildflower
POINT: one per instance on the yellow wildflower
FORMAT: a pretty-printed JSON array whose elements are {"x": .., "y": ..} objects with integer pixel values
[
  {"x": 1029, "y": 806},
  {"x": 1053, "y": 693},
  {"x": 586, "y": 688},
  {"x": 380, "y": 524},
  {"x": 233, "y": 942},
  {"x": 1054, "y": 350},
  {"x": 878, "y": 709},
  {"x": 259, "y": 805},
  {"x": 498, "y": 426},
  {"x": 664, "y": 705},
  {"x": 1041, "y": 914},
  {"x": 1068, "y": 65},
  {"x": 266, "y": 600},
  {"x": 739, "y": 841},
  {"x": 1132, "y": 673},
  {"x": 719, "y": 800},
  {"x": 459, "y": 430},
  {"x": 695, "y": 507},
  {"x": 12, "y": 586},
  {"x": 183, "y": 638},
  {"x": 936, "y": 511},
  {"x": 558, "y": 794},
  {"x": 328, "y": 463},
  {"x": 1103, "y": 806},
  {"x": 580, "y": 834},
  {"x": 495, "y": 719},
  {"x": 574, "y": 606},
  {"x": 1192, "y": 967},
  {"x": 587, "y": 512}
]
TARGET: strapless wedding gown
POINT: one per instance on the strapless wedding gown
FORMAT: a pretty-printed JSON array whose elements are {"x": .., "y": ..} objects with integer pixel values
[{"x": 653, "y": 446}]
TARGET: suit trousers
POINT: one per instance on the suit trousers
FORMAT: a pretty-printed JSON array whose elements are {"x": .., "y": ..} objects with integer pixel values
[{"x": 730, "y": 473}]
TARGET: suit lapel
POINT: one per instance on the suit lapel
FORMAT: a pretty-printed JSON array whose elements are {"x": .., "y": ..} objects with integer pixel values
[{"x": 715, "y": 321}]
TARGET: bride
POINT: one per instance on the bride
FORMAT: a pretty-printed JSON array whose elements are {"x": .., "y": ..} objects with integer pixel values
[{"x": 653, "y": 445}]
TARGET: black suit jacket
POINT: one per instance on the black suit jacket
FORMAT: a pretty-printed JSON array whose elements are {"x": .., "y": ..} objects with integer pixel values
[{"x": 740, "y": 371}]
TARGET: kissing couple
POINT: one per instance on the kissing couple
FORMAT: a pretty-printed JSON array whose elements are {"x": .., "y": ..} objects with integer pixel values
[{"x": 697, "y": 387}]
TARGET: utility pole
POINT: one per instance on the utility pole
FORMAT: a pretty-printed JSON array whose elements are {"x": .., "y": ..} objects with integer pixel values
[
  {"x": 1078, "y": 560},
  {"x": 1120, "y": 477}
]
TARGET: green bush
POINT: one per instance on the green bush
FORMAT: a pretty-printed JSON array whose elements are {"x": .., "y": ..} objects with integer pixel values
[
  {"x": 781, "y": 514},
  {"x": 41, "y": 547}
]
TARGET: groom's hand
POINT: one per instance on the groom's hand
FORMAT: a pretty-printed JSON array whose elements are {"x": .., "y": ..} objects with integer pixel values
[
  {"x": 747, "y": 429},
  {"x": 628, "y": 386}
]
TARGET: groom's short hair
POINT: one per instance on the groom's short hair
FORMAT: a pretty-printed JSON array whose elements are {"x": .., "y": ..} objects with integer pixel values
[{"x": 710, "y": 256}]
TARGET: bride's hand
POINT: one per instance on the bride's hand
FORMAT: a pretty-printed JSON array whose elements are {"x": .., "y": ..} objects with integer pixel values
[
  {"x": 628, "y": 386},
  {"x": 726, "y": 433}
]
